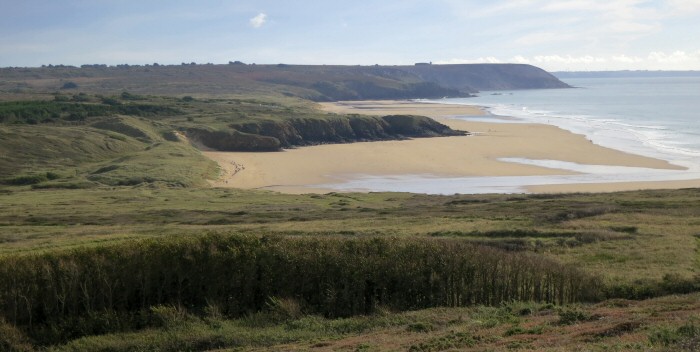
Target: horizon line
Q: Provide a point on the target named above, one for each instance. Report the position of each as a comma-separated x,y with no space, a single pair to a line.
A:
280,64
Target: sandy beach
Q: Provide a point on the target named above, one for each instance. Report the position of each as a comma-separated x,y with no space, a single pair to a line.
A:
307,169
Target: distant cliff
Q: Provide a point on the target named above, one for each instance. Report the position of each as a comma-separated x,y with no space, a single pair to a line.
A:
314,82
417,81
271,135
487,76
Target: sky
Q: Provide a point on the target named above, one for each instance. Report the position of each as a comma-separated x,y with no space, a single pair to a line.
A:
556,35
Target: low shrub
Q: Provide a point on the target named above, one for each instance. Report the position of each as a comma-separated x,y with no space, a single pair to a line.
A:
12,340
453,340
685,337
25,180
570,316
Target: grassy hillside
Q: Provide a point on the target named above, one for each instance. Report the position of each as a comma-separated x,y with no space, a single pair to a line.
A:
634,244
318,83
627,236
111,238
83,144
84,140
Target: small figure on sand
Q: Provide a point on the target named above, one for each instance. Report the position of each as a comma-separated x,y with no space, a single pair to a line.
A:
237,168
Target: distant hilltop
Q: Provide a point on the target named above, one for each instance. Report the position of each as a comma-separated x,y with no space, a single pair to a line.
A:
314,82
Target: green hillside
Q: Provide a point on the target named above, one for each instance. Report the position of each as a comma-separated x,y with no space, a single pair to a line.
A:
317,83
202,268
111,238
85,140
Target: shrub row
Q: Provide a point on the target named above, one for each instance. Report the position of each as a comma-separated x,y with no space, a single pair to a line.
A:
238,274
33,112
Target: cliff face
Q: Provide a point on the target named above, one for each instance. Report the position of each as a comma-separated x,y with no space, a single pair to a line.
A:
332,83
487,76
274,135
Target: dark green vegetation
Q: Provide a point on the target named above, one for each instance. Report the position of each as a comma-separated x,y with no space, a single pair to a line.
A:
61,295
110,238
318,83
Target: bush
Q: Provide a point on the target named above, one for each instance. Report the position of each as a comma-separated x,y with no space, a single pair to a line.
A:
573,316
69,85
128,96
110,101
686,337
420,327
239,275
283,309
26,180
643,289
453,340
81,97
168,316
11,339
52,175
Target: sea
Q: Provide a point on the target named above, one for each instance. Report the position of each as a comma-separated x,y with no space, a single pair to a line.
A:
656,116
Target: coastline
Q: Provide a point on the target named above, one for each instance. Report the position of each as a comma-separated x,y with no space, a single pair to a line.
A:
320,169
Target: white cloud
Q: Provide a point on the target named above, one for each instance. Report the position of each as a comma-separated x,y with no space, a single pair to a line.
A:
684,6
656,60
568,59
627,59
576,26
611,17
542,38
259,20
632,27
519,59
480,60
677,57
471,11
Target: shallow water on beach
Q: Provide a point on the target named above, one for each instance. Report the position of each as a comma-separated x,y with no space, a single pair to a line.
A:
430,184
652,116
657,117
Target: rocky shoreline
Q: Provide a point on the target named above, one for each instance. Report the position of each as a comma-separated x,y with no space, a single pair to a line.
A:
275,135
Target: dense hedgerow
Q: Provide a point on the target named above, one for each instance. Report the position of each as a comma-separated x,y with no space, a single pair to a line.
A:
239,274
33,112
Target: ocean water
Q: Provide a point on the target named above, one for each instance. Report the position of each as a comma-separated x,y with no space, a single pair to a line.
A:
653,116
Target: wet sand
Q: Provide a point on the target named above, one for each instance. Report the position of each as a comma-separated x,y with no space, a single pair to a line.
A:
307,169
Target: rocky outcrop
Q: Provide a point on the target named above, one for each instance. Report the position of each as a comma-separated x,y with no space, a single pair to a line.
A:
231,140
270,135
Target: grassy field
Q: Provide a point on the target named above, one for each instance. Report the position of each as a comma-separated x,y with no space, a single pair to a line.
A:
626,236
662,324
112,239
639,244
